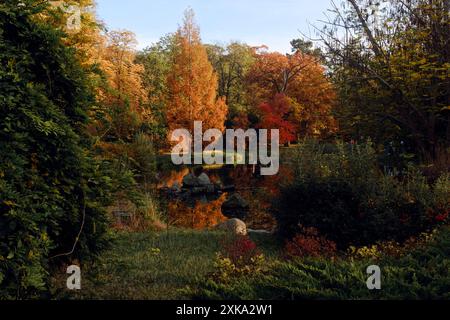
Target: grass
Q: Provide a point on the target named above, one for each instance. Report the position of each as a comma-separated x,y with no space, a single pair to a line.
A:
421,273
152,265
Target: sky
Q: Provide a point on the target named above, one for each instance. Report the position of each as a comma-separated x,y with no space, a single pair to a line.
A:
256,22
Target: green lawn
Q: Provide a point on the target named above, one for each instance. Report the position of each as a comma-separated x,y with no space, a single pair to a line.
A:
152,265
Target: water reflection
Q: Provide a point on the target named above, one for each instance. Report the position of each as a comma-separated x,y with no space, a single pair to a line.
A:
203,211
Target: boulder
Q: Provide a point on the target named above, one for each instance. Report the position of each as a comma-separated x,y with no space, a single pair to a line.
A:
204,180
235,207
233,226
190,181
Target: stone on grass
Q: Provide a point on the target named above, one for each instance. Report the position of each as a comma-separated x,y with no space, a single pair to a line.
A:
233,226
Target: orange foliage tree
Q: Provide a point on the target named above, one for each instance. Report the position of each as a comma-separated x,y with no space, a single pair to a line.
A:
192,83
122,96
123,73
301,78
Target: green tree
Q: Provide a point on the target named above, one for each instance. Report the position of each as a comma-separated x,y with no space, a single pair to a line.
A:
157,60
51,188
391,61
306,47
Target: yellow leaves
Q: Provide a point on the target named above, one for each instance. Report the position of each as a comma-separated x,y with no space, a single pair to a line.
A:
226,269
155,251
9,203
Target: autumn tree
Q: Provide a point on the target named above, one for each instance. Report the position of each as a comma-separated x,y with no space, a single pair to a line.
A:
192,83
157,60
276,115
122,97
300,77
82,29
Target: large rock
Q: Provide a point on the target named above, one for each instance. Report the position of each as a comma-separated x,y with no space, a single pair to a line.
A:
204,180
233,226
235,207
190,181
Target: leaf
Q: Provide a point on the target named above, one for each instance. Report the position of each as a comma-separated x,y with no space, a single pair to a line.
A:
9,203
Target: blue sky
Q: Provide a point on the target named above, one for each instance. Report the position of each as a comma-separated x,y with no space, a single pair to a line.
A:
271,22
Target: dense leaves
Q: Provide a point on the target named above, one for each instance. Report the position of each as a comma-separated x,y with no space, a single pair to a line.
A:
50,195
192,83
392,71
422,273
301,78
349,200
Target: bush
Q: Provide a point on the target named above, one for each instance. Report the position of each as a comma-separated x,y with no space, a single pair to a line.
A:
51,188
310,244
240,250
423,273
350,201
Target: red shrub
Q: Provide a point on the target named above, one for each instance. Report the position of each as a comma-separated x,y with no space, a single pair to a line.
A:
240,250
310,243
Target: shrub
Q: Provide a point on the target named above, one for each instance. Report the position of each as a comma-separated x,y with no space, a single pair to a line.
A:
143,157
240,250
226,270
422,273
239,257
51,187
310,244
350,201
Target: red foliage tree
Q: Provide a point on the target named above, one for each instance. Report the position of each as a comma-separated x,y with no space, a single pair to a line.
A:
275,115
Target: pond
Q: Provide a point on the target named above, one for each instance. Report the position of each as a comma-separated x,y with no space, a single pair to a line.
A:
200,210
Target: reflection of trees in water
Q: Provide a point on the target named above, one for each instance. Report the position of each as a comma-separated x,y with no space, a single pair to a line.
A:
169,178
203,214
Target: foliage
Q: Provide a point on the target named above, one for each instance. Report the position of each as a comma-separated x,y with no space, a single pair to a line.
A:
232,64
157,60
349,200
391,70
52,190
121,113
310,244
241,250
392,248
123,74
192,83
275,74
423,273
306,47
142,154
275,115
226,270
